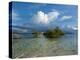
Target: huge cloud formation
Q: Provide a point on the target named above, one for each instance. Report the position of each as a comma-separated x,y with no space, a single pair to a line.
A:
45,18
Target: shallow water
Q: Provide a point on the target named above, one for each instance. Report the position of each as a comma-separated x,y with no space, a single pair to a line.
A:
42,46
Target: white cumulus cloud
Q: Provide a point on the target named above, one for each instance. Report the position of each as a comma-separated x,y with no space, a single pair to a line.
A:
42,17
53,15
65,17
45,18
72,27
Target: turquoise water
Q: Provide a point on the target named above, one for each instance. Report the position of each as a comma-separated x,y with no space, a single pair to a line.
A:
42,46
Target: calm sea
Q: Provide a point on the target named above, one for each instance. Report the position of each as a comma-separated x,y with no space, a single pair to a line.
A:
27,46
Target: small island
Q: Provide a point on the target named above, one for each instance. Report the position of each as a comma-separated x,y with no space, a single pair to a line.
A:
50,33
36,34
57,32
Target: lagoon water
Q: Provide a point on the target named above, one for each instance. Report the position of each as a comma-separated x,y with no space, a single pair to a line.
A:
42,46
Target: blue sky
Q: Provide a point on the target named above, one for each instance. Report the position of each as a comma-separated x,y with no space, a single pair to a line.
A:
44,15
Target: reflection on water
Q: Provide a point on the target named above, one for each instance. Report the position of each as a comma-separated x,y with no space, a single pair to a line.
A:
42,46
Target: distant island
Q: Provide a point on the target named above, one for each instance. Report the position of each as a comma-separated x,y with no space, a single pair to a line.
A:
57,32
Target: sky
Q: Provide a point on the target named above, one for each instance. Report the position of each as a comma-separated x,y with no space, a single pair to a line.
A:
43,15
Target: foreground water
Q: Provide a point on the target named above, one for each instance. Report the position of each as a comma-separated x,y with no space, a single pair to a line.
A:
42,46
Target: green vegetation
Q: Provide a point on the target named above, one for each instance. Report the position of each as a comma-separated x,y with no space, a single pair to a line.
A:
36,34
57,32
